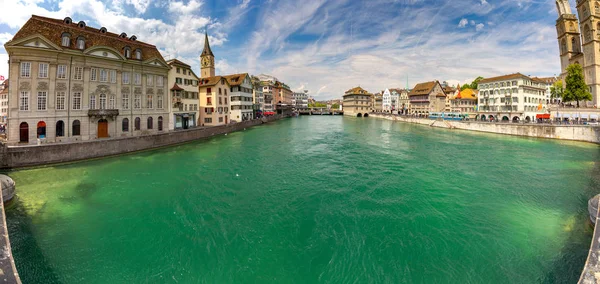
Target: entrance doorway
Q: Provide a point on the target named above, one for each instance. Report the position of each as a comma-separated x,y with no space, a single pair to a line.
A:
186,122
226,120
102,128
24,132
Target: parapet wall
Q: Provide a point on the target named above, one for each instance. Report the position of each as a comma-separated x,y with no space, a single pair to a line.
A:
23,156
566,132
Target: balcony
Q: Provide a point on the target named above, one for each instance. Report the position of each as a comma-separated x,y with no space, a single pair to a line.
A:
103,113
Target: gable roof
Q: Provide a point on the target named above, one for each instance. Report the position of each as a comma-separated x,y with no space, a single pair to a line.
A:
423,88
357,91
177,62
210,81
53,29
503,77
176,88
545,80
236,79
449,89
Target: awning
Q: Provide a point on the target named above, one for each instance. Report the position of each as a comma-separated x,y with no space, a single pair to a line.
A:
543,116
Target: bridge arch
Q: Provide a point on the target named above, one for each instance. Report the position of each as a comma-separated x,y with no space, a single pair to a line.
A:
366,115
359,115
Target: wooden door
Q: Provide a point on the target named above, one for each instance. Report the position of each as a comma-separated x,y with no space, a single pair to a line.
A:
24,132
102,128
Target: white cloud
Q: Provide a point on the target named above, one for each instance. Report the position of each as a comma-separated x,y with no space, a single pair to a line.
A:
139,5
463,23
479,27
177,7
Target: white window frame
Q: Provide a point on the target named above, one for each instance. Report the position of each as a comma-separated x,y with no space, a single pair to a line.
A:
42,101
102,100
137,78
60,100
81,43
137,101
159,81
149,80
113,76
43,70
138,54
93,74
61,72
149,102
103,75
159,101
66,41
78,74
125,101
112,102
24,101
77,101
92,101
125,78
25,69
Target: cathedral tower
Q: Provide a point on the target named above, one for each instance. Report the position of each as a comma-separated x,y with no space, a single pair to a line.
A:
569,37
207,60
589,21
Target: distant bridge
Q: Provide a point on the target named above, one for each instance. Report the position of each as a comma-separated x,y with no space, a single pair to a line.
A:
319,111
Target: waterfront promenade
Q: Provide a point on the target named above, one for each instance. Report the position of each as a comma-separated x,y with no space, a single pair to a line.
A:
584,133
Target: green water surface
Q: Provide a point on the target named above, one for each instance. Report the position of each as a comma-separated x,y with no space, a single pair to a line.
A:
313,200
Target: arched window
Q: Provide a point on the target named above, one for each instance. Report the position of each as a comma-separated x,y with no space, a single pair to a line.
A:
41,129
24,132
125,126
102,101
127,52
66,39
76,128
160,123
137,123
138,54
81,43
150,123
60,128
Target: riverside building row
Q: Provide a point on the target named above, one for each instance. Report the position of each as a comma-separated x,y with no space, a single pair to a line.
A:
70,82
511,97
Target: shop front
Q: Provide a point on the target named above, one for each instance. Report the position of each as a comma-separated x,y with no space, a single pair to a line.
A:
184,120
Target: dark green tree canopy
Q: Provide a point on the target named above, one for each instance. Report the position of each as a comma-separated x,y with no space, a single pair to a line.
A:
576,89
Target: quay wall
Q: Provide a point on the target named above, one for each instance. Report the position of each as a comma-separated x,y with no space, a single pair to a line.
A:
7,263
34,155
566,132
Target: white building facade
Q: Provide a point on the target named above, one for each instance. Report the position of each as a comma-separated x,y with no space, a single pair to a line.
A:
4,102
513,97
300,100
183,96
241,99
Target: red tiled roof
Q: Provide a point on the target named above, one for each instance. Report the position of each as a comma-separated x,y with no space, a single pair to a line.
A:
423,88
52,29
176,88
236,79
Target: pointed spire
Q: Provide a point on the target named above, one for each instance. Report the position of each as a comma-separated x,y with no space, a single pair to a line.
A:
206,50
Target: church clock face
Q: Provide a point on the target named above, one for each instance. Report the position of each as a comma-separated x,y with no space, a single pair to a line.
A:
206,62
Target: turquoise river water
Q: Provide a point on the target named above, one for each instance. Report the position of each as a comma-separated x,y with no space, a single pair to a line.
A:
313,200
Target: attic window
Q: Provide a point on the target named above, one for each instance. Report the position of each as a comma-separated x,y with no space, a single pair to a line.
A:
133,38
81,24
127,52
138,54
123,35
67,20
81,43
66,39
102,30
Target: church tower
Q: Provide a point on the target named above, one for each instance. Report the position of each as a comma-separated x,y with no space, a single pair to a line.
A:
207,60
569,37
589,20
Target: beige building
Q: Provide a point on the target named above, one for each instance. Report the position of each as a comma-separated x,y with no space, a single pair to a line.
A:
450,93
512,97
575,48
183,96
403,104
4,102
426,98
357,102
71,82
465,102
240,97
214,91
377,102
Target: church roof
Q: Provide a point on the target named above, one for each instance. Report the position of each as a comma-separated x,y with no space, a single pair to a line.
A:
207,50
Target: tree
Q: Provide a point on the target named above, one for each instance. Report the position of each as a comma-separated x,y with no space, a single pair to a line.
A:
335,106
473,84
557,90
576,89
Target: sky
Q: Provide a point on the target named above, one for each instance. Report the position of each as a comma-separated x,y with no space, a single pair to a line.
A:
327,46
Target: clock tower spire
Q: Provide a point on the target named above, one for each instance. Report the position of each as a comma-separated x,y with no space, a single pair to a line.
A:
207,60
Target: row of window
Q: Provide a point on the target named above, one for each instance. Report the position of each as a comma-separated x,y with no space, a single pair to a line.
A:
80,44
186,82
242,99
241,89
209,120
220,110
209,100
137,124
42,101
96,74
240,107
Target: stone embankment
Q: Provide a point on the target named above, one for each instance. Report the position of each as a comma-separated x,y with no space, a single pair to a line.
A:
34,155
8,270
583,133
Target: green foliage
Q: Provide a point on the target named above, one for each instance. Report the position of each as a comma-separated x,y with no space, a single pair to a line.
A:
576,89
335,106
317,104
473,84
557,90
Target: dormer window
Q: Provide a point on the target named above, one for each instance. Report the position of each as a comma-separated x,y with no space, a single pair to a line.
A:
81,24
67,20
81,43
103,30
133,38
66,39
138,54
127,52
123,35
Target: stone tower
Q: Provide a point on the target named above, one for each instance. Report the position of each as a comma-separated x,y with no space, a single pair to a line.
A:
569,37
207,60
589,21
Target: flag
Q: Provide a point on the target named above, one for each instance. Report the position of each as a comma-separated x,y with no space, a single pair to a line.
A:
1,78
540,107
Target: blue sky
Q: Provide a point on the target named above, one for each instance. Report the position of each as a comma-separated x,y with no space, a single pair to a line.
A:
324,46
